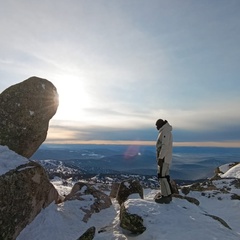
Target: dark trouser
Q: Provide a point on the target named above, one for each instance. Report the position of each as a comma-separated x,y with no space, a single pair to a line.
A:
164,179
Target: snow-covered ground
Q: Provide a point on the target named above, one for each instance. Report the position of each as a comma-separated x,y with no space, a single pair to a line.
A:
177,220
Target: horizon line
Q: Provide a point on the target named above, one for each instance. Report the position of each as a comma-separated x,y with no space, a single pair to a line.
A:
227,144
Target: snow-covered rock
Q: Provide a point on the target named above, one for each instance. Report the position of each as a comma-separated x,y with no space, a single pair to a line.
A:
24,190
233,172
131,221
128,187
96,200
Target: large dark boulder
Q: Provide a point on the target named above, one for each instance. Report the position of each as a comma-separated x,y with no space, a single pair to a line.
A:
25,111
24,191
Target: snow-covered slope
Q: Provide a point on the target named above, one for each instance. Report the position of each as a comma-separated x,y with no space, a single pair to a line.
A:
217,216
178,220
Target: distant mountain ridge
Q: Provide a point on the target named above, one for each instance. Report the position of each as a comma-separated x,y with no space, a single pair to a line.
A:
189,163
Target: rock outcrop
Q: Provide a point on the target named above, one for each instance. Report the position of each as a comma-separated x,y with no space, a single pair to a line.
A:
131,222
99,199
25,111
24,191
114,189
128,187
174,187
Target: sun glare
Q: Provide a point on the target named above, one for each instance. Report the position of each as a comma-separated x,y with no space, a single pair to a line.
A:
73,99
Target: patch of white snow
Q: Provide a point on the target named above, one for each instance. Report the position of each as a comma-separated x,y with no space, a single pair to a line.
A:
233,172
9,160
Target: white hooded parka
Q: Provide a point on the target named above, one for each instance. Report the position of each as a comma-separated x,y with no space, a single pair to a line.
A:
164,143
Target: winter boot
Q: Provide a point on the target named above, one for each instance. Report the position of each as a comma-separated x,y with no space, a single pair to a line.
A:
164,199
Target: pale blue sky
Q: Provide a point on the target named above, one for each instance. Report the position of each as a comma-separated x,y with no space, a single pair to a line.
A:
120,65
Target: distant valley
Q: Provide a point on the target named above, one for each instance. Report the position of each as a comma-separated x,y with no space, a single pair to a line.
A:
189,164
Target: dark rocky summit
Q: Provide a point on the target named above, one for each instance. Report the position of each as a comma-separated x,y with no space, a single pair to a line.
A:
25,111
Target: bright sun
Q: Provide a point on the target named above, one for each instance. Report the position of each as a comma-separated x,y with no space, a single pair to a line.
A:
73,99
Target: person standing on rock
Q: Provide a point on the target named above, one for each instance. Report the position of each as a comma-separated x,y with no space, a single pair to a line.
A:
164,159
